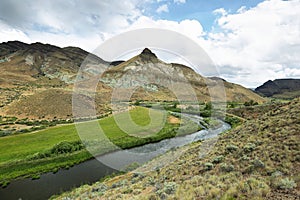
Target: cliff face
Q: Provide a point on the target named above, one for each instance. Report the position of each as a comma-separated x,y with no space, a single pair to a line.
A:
281,88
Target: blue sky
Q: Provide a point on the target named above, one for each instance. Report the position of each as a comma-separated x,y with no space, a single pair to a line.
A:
250,42
201,10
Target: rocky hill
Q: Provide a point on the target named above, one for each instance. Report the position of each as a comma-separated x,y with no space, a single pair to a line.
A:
259,159
168,81
280,88
22,63
36,80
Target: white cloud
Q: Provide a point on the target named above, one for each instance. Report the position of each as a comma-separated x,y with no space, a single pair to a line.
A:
221,11
78,23
88,43
81,17
190,28
256,41
162,8
249,46
179,1
8,33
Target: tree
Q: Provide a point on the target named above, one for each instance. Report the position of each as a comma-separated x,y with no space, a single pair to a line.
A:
137,103
175,103
208,106
250,103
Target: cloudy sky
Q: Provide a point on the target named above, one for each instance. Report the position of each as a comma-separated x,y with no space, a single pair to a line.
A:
250,41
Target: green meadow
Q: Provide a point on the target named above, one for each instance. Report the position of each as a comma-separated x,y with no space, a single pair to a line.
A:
28,155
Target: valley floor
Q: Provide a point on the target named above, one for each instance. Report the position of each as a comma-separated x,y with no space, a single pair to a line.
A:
256,160
28,155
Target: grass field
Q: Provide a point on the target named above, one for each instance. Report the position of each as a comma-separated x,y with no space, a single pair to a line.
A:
16,149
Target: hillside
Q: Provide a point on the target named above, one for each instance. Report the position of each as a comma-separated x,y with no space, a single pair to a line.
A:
170,81
36,80
22,63
256,160
280,88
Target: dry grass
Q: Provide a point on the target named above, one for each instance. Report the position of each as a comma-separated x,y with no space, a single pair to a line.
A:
260,160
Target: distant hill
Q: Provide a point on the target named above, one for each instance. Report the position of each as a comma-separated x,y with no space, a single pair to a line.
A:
36,80
280,88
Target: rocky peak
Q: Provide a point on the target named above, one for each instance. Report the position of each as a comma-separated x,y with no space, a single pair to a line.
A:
148,55
148,52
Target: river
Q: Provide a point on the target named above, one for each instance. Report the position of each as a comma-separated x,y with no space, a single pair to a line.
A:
92,170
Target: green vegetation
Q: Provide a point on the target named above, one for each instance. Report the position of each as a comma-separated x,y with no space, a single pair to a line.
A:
250,103
233,121
58,147
258,159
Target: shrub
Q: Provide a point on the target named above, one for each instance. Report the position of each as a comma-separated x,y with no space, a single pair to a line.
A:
276,174
226,168
168,189
205,113
101,188
245,158
233,121
137,103
231,104
62,147
258,163
231,148
218,159
39,155
250,103
175,103
208,166
249,147
208,106
66,147
286,183
249,169
253,187
151,181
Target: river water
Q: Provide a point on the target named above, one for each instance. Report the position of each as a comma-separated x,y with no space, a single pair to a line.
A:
92,170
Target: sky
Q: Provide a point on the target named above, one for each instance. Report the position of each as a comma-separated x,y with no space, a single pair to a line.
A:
250,41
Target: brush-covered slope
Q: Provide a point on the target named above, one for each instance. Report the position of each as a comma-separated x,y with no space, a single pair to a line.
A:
259,159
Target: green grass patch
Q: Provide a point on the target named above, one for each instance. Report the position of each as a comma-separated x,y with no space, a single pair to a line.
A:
233,121
47,150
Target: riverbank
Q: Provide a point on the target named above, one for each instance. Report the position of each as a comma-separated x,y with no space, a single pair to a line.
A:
256,160
90,171
30,155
